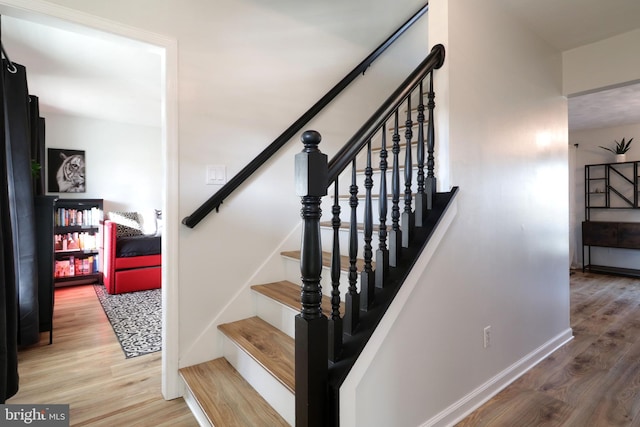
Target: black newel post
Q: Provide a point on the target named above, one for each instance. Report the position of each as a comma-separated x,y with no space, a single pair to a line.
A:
311,353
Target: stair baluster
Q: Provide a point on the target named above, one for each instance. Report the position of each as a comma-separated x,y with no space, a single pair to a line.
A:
335,322
367,278
311,352
395,237
352,300
420,199
407,215
431,140
382,254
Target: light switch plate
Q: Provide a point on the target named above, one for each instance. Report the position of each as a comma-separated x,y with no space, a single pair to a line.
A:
216,175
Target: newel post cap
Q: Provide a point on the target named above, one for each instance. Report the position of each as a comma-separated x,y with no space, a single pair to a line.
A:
311,169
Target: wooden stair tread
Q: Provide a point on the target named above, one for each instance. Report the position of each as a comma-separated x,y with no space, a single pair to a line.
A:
326,260
267,345
288,293
226,398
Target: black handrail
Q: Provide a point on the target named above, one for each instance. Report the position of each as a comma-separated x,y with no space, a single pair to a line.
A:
216,200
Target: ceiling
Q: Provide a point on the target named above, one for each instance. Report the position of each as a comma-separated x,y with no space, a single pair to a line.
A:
607,108
91,74
101,76
567,24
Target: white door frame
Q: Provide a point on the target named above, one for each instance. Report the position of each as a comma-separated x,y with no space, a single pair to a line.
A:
80,22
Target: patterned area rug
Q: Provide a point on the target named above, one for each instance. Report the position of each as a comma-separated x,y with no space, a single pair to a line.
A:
136,318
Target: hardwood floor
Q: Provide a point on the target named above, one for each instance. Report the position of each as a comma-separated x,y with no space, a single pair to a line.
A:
86,368
594,380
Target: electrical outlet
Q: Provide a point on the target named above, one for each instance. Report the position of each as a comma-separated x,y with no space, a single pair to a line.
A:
487,336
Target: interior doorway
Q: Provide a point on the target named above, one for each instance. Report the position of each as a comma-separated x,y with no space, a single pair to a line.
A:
90,26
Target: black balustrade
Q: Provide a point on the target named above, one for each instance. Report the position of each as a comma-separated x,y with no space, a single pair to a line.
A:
395,237
407,214
329,347
421,200
382,254
352,300
367,277
430,185
335,322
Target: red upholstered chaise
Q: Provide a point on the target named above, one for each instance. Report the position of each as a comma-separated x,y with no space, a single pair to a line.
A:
130,273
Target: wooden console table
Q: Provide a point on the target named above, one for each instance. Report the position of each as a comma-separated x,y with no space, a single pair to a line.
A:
625,235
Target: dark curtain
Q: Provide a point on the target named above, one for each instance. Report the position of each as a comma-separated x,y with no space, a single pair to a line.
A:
21,208
8,306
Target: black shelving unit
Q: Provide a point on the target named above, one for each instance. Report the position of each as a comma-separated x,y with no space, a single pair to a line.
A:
610,186
45,223
78,241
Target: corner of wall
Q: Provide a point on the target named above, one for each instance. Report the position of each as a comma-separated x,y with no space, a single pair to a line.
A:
348,390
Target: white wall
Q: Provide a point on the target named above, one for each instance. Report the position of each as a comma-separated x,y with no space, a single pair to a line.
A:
588,152
504,261
123,161
603,64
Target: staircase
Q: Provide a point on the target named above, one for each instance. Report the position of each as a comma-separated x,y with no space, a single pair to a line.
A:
254,383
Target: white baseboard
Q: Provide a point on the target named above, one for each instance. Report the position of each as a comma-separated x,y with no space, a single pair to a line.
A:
469,403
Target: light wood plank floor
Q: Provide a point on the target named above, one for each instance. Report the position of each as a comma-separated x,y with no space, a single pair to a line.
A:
594,380
86,368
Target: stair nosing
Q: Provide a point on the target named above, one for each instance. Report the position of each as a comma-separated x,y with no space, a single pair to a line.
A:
326,301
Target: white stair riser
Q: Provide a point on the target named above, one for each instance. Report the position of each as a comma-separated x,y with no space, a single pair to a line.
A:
196,409
276,314
277,395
